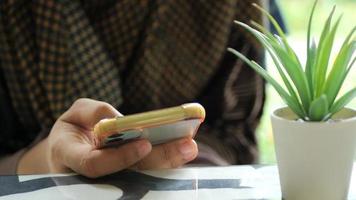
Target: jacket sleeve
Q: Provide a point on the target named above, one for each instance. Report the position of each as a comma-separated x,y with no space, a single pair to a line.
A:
12,133
234,100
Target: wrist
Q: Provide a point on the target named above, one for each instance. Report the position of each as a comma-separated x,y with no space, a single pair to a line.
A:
54,157
34,160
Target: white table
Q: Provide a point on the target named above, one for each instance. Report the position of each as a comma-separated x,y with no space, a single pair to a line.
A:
234,182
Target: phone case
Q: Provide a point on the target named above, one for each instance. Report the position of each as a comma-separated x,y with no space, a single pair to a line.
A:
158,126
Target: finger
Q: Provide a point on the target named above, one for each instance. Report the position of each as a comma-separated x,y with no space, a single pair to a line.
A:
87,112
99,162
169,155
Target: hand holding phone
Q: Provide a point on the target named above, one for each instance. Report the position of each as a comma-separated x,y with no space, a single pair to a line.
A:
158,126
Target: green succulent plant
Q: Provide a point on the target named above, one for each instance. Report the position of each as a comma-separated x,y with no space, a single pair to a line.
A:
311,92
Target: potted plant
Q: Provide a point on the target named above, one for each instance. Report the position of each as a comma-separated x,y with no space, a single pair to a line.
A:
315,135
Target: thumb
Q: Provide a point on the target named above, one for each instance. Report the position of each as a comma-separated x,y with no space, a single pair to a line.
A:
87,112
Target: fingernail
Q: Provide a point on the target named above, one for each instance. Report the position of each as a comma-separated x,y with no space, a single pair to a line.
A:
186,148
144,148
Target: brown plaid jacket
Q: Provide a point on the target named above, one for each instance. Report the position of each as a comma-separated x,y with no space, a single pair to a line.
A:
137,55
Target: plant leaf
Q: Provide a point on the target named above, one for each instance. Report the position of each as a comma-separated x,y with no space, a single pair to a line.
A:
280,33
292,67
310,67
284,95
319,108
351,64
266,39
323,56
316,69
311,51
341,102
267,42
311,92
296,74
339,70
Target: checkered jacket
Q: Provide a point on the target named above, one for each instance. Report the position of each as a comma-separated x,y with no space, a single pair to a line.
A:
137,55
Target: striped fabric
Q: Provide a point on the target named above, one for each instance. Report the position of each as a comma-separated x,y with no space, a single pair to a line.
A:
137,55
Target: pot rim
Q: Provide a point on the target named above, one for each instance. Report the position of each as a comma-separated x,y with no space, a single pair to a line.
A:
292,118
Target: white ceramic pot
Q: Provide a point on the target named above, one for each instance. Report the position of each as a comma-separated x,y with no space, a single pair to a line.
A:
314,159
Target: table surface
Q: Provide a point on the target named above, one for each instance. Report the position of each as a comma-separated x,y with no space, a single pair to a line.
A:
233,182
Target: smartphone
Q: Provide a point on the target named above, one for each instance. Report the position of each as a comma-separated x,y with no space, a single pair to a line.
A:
158,126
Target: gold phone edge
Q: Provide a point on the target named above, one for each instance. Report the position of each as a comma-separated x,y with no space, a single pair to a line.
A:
106,127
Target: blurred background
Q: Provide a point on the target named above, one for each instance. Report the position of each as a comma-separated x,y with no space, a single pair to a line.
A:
295,14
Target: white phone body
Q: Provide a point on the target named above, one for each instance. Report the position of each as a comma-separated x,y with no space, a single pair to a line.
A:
158,126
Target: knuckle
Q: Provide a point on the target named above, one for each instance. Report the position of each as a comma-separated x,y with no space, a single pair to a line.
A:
80,102
139,166
168,157
128,159
88,167
135,159
125,161
174,164
103,107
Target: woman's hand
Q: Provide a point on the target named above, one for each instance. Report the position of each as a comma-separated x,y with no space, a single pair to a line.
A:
68,147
